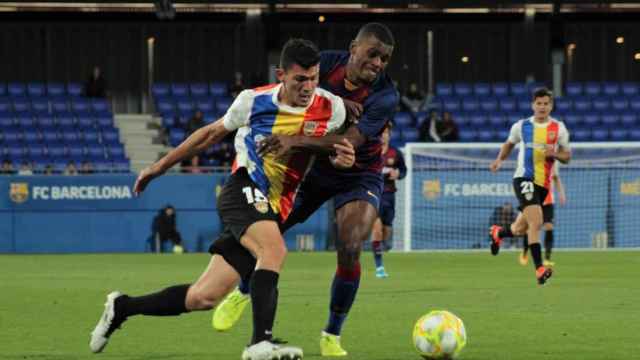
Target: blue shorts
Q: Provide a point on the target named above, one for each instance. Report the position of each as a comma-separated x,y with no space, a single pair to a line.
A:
387,210
343,188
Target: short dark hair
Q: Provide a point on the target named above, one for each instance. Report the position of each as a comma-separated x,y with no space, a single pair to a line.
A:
299,51
379,31
542,92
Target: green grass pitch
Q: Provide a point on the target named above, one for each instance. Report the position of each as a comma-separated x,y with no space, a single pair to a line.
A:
589,309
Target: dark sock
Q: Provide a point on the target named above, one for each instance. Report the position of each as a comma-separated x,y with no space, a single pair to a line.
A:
536,254
525,245
343,293
505,232
167,302
376,246
264,299
548,244
244,287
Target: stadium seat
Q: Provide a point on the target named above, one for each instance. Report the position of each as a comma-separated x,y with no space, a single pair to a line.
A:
36,150
65,122
7,121
592,88
16,90
601,104
481,89
121,165
5,105
168,122
628,120
591,119
85,122
104,121
51,137
518,89
634,135
462,89
497,121
110,136
56,151
59,105
629,89
581,135
619,104
205,105
176,136
199,89
45,122
507,104
16,152
80,106
451,104
600,135
563,104
444,89
222,104
3,92
611,89
609,120
95,152
572,119
500,89
91,136
502,135
410,135
402,119
40,106
488,104
582,104
25,121
524,104
634,103
210,117
55,89
468,135
36,89
470,104
180,90
21,105
478,120
485,136
160,90
100,106
116,152
164,104
619,135
103,166
70,136
396,136
185,106
218,89
74,89
76,151
574,89
31,136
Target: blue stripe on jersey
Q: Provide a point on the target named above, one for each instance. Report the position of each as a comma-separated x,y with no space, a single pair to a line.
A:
527,138
263,116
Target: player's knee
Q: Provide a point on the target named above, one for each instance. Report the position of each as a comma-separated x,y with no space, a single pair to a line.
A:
199,298
273,256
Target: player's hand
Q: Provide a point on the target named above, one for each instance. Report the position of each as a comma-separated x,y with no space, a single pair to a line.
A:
345,155
146,175
354,110
550,152
278,145
563,199
394,174
495,165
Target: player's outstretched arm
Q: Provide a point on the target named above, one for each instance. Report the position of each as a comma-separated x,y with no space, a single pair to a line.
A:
505,150
324,145
197,142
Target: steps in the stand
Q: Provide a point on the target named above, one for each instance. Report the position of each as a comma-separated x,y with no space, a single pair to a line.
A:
137,137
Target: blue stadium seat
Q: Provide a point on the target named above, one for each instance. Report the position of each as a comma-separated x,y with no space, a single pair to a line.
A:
222,104
76,151
481,89
95,152
45,122
176,136
444,89
205,104
218,89
508,104
601,104
168,122
634,135
582,104
59,105
402,119
51,136
16,89
65,122
611,89
56,151
591,120
185,116
478,120
85,122
121,165
514,116
7,121
581,135
619,104
55,89
519,89
110,136
70,136
74,89
468,135
451,104
100,106
36,150
160,90
25,121
3,92
185,105
210,117
103,166
609,119
574,89
592,88
16,152
502,135
410,135
116,152
5,105
181,90
634,103
500,89
488,104
619,134
497,121
599,135
199,89
572,119
629,89
396,136
164,104
485,136
36,89
563,104
40,106
80,106
470,104
628,120
462,89
91,136
524,104
21,105
104,121
31,136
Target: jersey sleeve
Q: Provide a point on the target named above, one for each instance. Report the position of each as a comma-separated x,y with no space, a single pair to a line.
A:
515,135
402,167
563,136
338,113
378,108
239,112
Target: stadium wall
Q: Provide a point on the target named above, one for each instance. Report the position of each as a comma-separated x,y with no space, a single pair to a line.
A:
93,214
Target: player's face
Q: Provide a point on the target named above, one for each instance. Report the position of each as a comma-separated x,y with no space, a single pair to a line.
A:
369,57
386,134
542,107
299,84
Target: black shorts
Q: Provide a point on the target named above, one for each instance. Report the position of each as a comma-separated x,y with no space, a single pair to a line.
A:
240,204
547,213
387,210
528,193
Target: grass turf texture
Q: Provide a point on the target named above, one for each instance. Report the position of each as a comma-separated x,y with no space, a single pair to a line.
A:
50,303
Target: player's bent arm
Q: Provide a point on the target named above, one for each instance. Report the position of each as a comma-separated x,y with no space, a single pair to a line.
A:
196,143
325,144
563,155
505,151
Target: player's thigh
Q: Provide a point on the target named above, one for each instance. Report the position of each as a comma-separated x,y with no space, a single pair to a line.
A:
217,280
355,220
533,215
264,240
377,232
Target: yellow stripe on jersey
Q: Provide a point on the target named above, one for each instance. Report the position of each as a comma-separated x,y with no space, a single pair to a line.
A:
539,160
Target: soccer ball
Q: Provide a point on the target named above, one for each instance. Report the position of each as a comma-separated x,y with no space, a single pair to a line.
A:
439,335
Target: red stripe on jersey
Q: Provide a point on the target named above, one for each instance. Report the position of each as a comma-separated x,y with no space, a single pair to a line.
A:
234,165
317,117
292,178
552,139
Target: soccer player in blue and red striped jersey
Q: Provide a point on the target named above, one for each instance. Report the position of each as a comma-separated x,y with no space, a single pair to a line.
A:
358,76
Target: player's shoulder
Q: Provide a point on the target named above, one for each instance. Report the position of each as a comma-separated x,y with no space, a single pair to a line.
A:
264,89
384,92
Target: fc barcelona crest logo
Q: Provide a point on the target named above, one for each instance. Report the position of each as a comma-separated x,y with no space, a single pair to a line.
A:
431,189
551,135
19,192
309,127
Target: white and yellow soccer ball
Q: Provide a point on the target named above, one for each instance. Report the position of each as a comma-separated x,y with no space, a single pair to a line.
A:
439,335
